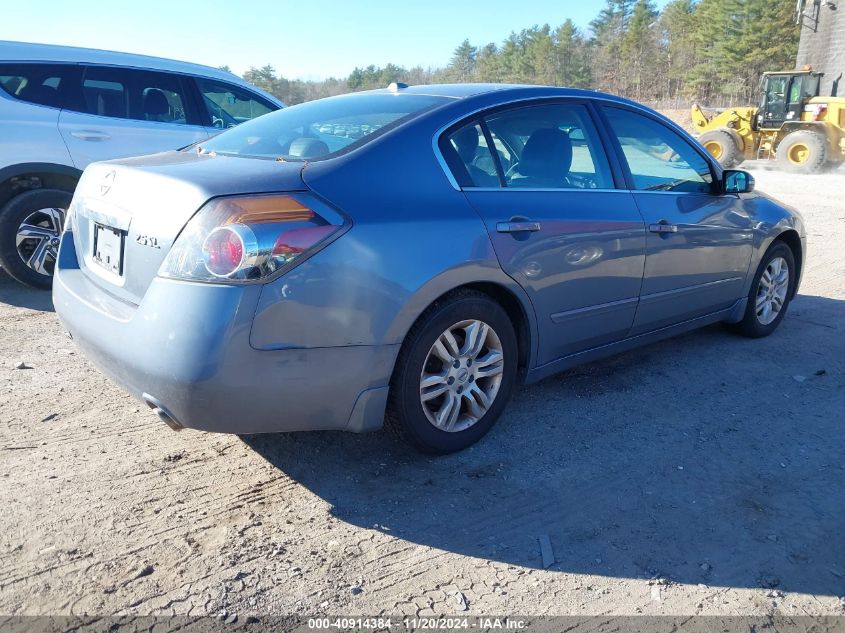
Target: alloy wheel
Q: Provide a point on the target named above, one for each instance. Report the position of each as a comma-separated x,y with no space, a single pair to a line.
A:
771,290
38,239
461,375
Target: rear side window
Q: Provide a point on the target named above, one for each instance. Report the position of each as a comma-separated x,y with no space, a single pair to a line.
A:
136,94
229,105
105,94
658,158
469,147
43,84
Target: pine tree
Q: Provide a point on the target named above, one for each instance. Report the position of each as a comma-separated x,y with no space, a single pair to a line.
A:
487,64
677,31
540,53
639,51
462,66
571,57
609,30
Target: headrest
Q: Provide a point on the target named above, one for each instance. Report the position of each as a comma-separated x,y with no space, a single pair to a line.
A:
466,143
547,154
155,103
306,147
45,95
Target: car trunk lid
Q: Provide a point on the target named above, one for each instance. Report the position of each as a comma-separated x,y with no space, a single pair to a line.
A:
128,213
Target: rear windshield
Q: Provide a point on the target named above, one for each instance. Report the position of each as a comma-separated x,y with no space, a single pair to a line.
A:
320,129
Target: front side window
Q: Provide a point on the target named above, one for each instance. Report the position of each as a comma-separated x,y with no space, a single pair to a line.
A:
321,129
658,158
134,94
776,90
43,84
230,105
550,146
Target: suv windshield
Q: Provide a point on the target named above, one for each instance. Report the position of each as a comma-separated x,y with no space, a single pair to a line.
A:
320,129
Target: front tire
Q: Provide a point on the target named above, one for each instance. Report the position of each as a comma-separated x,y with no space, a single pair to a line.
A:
454,374
771,293
802,152
31,226
722,146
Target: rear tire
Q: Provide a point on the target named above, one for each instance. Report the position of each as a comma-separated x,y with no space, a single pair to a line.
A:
440,406
31,260
720,144
802,152
769,297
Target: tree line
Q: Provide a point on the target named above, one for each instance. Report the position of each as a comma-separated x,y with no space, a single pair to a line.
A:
711,51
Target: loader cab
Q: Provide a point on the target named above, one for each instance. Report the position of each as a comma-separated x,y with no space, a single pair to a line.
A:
783,97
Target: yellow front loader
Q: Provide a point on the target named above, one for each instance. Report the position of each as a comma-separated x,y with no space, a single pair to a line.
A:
802,131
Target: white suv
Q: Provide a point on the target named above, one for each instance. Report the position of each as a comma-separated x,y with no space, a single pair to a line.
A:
62,108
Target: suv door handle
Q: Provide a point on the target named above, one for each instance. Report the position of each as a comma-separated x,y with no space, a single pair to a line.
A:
663,227
90,135
517,227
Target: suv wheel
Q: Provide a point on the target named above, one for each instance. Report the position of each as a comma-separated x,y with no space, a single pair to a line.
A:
30,230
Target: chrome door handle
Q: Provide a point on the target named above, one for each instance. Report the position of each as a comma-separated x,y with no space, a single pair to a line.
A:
90,135
517,227
663,227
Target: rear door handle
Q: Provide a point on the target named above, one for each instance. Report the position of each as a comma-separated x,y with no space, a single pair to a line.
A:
90,135
663,227
517,227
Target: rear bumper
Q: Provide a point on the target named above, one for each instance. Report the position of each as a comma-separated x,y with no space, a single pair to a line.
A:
187,349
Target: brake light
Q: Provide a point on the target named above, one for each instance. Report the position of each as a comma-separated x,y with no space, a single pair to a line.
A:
246,239
223,250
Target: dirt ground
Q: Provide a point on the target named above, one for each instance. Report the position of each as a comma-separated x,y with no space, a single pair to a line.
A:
702,475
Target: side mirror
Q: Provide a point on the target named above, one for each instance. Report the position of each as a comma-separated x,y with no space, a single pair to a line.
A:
737,181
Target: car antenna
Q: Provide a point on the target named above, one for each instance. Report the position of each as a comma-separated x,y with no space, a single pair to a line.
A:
396,86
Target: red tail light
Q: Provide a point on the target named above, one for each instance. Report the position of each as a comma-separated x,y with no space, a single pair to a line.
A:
224,251
247,238
297,241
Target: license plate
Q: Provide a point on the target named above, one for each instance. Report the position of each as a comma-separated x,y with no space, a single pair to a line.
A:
108,248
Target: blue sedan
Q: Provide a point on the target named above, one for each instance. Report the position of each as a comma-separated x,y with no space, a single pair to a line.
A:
404,257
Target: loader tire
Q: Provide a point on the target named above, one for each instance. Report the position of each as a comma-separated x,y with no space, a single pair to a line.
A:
722,146
802,152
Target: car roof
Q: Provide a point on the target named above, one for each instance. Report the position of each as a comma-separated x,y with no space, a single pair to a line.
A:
465,91
29,52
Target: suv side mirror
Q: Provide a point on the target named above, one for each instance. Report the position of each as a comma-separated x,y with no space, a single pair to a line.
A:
737,181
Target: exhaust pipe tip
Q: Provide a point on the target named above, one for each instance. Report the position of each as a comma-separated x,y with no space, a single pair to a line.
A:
167,419
161,411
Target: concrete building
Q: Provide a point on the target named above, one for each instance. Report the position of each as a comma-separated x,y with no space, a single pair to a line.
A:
822,44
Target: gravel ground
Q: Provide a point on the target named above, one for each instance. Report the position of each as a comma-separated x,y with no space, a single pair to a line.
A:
702,475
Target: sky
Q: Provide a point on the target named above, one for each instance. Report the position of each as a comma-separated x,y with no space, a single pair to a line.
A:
301,39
